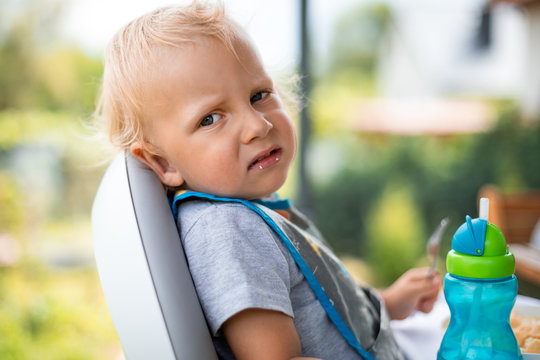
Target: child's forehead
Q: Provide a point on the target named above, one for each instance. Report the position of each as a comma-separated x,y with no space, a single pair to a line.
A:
241,49
203,66
238,46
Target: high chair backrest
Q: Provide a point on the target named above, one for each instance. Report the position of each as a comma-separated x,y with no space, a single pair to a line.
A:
142,267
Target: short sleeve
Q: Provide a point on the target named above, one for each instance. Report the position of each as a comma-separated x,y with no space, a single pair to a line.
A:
235,261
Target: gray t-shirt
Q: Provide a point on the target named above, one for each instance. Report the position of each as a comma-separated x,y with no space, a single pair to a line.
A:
237,262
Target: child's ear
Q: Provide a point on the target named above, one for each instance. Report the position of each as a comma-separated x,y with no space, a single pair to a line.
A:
166,173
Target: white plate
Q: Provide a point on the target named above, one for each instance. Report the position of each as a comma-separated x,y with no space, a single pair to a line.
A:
527,306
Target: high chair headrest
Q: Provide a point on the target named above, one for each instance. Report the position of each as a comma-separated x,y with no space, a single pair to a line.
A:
142,267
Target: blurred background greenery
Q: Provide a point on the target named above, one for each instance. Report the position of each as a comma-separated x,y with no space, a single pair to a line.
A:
51,303
377,195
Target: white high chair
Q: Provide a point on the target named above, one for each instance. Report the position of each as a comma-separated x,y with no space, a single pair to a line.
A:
142,267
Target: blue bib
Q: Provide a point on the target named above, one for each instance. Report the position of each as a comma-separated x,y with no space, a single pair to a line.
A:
357,312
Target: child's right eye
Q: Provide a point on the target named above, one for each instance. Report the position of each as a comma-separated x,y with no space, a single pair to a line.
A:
210,119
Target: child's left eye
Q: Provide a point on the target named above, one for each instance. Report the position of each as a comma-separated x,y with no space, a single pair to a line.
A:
210,119
259,96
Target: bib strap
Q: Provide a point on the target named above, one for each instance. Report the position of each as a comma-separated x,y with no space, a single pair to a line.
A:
313,282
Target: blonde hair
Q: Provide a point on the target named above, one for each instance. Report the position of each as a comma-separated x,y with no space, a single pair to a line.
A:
132,52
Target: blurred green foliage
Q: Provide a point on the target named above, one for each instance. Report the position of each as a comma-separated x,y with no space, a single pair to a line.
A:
335,99
72,139
395,232
378,197
47,94
430,177
20,127
357,37
53,315
11,212
38,72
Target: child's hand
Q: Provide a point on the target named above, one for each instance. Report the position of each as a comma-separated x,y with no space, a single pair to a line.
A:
414,290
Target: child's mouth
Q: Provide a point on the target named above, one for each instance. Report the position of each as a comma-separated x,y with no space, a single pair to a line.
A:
266,160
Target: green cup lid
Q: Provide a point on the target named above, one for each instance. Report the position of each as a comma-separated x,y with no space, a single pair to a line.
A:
479,251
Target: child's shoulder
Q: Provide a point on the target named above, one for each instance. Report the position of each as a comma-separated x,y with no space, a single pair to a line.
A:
195,208
206,214
231,229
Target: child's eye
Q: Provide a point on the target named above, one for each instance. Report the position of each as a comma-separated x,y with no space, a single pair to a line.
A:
259,96
210,119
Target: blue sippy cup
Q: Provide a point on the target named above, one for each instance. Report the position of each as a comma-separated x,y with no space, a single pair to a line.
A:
480,289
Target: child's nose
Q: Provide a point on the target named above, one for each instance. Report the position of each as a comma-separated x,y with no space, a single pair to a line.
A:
254,126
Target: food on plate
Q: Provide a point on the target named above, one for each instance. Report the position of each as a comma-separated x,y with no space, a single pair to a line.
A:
527,331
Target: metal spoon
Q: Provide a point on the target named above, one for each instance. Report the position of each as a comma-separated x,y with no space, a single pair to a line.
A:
433,244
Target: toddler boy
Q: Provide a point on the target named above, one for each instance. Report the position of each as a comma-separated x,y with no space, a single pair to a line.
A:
185,91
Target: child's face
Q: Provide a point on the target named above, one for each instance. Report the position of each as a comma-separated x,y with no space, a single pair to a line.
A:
217,125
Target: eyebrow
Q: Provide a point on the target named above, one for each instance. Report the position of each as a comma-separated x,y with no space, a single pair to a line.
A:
193,113
207,102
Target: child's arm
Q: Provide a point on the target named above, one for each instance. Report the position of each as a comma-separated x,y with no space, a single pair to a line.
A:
263,334
414,290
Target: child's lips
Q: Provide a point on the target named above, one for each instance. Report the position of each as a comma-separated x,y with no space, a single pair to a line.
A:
266,160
